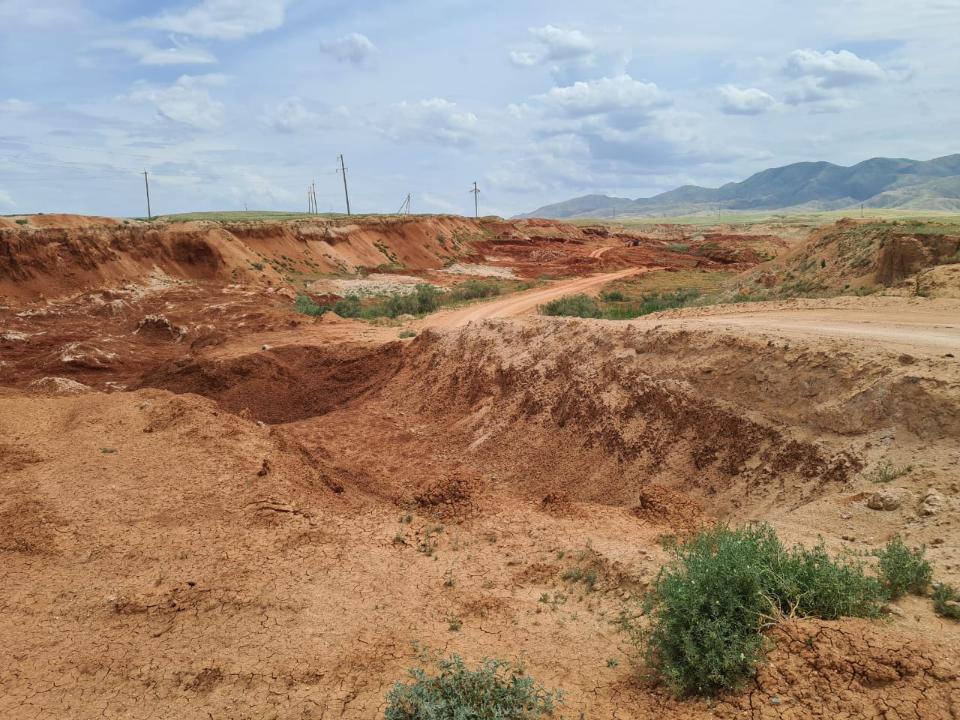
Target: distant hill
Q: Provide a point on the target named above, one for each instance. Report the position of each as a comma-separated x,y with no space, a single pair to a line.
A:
806,186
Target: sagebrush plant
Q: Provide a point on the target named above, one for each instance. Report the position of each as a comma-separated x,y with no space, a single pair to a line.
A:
495,690
903,570
946,601
709,605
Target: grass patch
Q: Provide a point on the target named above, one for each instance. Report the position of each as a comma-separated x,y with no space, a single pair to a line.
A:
946,601
495,690
709,605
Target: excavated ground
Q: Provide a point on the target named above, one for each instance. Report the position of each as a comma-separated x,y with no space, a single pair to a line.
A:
234,511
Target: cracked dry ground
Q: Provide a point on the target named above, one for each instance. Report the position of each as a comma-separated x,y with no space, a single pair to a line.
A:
281,533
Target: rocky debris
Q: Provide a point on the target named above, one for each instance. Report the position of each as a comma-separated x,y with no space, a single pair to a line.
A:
58,386
13,336
931,503
159,327
884,500
85,355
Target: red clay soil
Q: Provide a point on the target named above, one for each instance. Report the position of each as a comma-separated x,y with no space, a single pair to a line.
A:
211,506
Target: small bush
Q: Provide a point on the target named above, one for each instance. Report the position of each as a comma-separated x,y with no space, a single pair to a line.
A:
494,691
425,299
305,304
709,605
22,221
678,247
885,472
903,570
473,290
348,307
946,601
405,334
613,296
579,305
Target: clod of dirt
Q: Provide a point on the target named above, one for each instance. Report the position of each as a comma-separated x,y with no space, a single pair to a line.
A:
884,500
58,386
159,329
87,356
931,503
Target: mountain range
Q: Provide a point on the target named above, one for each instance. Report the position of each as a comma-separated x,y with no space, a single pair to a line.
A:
801,187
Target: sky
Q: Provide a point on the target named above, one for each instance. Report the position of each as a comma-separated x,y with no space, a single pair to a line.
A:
233,104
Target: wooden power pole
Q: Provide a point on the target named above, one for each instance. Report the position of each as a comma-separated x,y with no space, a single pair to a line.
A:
476,200
346,193
146,184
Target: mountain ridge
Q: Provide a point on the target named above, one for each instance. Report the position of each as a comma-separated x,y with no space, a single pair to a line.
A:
811,185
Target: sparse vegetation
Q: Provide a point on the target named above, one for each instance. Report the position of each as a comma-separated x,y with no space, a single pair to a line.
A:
724,586
406,334
946,601
22,221
885,472
903,570
610,308
494,691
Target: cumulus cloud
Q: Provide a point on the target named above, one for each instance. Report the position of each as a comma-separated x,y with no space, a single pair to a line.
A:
221,19
745,101
554,44
353,48
833,69
605,95
433,120
292,116
187,101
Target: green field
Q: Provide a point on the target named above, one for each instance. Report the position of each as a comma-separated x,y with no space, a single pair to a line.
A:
802,219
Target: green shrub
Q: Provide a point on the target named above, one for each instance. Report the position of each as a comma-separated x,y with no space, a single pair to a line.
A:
22,221
473,290
348,307
678,247
424,299
404,334
709,604
612,296
946,601
494,691
903,570
305,304
579,305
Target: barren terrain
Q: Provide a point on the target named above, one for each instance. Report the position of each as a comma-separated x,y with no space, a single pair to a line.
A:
213,506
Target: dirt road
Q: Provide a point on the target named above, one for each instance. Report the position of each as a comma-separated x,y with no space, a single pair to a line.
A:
524,302
931,328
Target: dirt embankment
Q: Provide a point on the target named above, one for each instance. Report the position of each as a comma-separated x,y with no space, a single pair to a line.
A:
863,254
54,255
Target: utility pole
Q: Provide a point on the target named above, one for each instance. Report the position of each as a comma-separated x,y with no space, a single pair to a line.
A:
405,207
346,193
146,184
313,196
476,199
861,211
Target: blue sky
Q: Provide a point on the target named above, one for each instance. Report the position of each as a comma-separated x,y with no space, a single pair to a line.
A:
232,103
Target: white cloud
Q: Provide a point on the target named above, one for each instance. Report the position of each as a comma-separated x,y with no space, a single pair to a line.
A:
352,48
15,106
434,120
147,53
222,19
554,45
745,101
833,69
292,116
187,101
605,95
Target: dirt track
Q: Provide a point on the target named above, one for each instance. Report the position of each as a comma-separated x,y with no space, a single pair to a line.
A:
523,302
930,327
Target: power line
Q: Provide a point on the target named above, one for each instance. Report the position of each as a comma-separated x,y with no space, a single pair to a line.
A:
405,207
